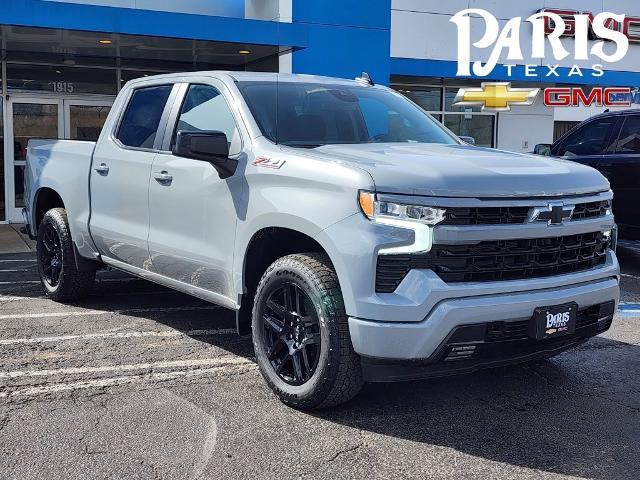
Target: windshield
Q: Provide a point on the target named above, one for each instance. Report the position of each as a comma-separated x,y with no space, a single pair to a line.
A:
312,114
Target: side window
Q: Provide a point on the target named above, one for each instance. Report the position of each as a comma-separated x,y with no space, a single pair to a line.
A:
629,139
205,109
141,119
590,139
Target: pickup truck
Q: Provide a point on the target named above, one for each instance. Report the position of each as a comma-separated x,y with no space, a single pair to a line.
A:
356,238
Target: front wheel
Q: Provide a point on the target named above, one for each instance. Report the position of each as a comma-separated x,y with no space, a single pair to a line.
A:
59,275
301,335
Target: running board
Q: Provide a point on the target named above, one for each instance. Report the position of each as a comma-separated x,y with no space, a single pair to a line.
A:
192,290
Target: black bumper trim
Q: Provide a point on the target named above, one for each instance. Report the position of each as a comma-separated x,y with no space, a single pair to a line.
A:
488,352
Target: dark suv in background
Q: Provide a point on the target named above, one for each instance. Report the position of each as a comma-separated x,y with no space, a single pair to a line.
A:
609,142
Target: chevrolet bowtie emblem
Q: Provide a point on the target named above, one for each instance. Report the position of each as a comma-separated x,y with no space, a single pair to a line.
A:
497,96
554,213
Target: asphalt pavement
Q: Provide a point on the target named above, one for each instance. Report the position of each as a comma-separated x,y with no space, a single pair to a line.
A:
140,382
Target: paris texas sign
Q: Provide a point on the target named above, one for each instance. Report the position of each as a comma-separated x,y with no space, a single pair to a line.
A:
609,33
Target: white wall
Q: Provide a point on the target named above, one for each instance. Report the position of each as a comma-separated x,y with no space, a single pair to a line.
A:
276,10
520,129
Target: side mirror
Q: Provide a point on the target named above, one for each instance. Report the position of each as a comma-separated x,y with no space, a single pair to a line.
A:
209,146
542,149
467,139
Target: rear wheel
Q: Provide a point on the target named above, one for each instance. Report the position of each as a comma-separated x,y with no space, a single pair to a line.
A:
59,275
301,335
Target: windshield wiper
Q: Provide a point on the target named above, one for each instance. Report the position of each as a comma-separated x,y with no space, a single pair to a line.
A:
302,144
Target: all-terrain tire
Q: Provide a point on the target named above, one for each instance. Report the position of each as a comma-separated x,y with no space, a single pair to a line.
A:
338,375
73,284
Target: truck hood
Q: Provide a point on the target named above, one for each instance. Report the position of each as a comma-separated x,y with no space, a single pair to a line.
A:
465,171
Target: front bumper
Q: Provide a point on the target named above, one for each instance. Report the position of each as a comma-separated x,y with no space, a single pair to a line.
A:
467,350
420,341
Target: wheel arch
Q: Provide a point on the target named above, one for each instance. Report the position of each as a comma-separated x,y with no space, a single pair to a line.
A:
264,247
45,199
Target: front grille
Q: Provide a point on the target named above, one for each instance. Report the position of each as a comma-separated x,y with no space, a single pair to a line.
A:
515,215
591,210
497,260
485,216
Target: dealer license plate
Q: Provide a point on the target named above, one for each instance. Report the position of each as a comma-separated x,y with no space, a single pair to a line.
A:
556,321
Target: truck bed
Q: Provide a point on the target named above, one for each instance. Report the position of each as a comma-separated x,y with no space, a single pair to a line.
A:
63,166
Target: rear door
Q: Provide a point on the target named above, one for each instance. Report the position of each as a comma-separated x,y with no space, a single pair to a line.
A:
193,212
120,176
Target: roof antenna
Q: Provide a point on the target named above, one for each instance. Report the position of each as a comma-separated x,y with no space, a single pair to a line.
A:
365,78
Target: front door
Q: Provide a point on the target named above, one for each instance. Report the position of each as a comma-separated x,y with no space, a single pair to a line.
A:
43,117
192,211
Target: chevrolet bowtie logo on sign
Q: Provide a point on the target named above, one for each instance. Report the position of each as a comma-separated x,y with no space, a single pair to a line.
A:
498,96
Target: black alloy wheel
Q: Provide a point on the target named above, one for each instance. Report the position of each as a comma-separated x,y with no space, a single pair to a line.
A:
292,334
301,333
61,278
51,256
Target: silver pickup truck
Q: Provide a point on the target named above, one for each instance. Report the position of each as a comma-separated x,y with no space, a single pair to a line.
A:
356,238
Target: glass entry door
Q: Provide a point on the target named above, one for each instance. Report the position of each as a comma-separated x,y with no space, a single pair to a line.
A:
27,118
40,117
84,118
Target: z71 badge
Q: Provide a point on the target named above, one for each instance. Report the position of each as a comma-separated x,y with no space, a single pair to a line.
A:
268,162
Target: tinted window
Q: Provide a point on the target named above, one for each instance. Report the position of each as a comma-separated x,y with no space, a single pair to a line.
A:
311,114
142,117
590,139
629,139
205,109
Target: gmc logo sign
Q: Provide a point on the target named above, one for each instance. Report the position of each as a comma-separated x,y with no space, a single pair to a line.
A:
630,28
600,96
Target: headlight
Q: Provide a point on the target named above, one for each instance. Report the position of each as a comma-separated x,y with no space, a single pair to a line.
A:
418,218
377,210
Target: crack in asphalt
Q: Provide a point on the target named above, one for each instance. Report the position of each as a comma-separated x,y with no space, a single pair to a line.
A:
344,452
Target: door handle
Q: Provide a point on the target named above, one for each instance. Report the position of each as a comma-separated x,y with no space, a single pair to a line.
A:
102,169
163,177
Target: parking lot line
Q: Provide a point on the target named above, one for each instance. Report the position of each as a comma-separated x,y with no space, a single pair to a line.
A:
628,275
629,309
17,316
197,362
99,280
95,336
9,298
128,379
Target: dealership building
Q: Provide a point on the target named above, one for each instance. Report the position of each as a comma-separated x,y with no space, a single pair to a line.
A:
63,62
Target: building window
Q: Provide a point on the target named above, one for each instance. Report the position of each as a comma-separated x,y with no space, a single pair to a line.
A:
2,199
560,128
429,98
468,121
480,127
61,79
